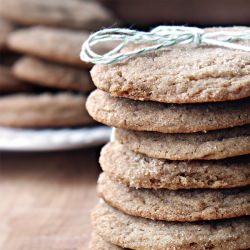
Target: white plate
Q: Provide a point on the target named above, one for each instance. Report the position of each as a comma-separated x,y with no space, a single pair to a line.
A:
52,139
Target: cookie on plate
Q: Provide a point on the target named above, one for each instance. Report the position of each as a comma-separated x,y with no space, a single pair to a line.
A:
63,13
44,110
53,75
180,74
213,145
166,118
140,171
139,233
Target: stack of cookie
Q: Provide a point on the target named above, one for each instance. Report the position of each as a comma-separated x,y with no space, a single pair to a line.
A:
176,174
53,81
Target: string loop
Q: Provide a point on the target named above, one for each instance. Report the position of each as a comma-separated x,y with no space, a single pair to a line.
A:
157,38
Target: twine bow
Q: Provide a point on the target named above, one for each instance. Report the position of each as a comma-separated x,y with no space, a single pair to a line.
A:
159,37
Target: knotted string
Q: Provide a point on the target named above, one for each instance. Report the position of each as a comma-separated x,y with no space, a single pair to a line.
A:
159,37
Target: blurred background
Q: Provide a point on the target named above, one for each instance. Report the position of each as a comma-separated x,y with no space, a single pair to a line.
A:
49,145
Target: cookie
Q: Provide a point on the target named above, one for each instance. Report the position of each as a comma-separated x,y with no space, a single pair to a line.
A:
98,243
213,145
166,118
44,110
62,13
5,29
59,45
175,205
179,74
139,233
52,75
139,171
9,84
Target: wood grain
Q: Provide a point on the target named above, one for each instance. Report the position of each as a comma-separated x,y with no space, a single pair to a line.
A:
46,199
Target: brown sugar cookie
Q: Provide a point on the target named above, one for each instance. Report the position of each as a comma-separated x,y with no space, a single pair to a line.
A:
139,233
140,171
53,75
62,13
177,205
166,118
44,110
180,74
213,145
59,45
9,84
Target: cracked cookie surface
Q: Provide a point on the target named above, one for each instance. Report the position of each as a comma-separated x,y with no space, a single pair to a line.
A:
139,171
213,145
138,233
166,118
177,205
180,74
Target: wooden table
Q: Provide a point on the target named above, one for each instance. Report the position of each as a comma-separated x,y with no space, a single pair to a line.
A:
46,199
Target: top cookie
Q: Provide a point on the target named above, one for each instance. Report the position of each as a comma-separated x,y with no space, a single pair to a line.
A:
62,13
179,74
58,45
